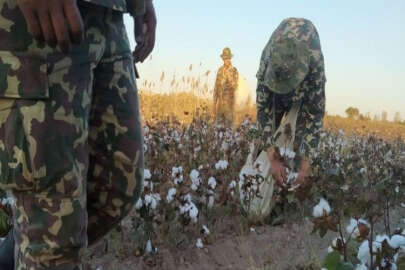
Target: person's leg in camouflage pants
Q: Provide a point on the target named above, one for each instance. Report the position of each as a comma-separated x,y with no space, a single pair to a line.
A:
70,137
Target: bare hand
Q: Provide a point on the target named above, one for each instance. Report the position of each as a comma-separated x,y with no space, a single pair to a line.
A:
278,170
57,22
145,33
303,173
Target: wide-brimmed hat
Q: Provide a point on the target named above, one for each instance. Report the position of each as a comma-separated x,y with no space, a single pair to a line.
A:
288,65
226,53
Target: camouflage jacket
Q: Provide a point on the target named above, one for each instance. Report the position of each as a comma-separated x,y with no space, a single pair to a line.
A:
122,5
311,93
226,84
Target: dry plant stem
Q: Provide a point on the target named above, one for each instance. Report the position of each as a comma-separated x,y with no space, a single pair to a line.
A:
387,217
370,244
341,237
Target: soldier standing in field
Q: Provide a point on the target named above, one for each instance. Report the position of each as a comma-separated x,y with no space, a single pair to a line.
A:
225,88
292,72
71,146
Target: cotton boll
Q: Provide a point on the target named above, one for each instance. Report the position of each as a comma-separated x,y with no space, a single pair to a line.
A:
206,230
320,207
232,185
193,212
199,243
224,146
345,187
211,201
7,201
195,179
364,254
148,248
194,175
212,182
139,204
221,165
145,148
361,267
289,154
178,180
170,195
187,198
147,174
353,228
176,171
291,177
397,241
380,238
151,200
148,199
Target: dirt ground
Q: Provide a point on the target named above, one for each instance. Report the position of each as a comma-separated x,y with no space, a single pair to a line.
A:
288,246
282,247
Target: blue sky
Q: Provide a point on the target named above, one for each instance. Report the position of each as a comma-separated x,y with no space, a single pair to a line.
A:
363,43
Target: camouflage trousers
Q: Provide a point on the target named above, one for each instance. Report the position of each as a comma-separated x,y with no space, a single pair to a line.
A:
71,146
225,111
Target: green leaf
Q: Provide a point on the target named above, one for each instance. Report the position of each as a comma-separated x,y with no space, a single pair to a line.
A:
380,186
401,262
345,266
322,232
290,198
334,262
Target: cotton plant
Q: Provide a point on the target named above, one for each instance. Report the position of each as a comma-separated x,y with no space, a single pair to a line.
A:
195,179
188,209
177,175
199,243
321,209
221,165
183,160
231,187
7,201
171,195
360,177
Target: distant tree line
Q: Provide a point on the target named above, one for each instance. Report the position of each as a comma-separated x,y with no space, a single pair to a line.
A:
354,113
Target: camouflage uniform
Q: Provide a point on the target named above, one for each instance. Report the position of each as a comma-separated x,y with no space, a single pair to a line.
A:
273,101
224,91
70,135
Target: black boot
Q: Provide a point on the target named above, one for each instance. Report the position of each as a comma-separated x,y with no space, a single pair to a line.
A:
7,252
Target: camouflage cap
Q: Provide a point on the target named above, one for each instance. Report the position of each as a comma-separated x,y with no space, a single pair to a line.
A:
226,53
289,64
